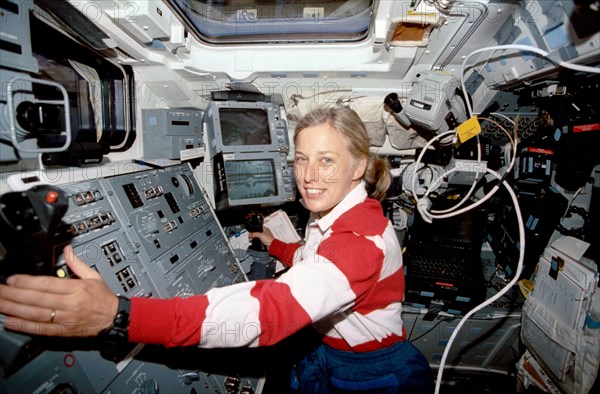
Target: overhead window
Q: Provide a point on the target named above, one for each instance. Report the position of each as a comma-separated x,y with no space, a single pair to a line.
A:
276,21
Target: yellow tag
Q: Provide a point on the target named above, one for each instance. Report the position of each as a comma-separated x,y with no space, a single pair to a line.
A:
468,129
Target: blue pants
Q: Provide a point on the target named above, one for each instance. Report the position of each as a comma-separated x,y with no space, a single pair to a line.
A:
401,368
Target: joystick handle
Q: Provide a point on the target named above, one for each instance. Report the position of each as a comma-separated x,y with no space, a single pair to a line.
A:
254,224
30,223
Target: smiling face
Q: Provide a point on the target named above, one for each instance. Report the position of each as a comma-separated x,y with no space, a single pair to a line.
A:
325,170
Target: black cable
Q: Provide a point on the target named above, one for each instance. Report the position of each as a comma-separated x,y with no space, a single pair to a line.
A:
577,232
431,329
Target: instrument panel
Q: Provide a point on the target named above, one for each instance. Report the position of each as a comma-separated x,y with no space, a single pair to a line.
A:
149,233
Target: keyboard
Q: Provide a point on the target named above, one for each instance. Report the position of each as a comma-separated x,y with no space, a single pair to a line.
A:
438,267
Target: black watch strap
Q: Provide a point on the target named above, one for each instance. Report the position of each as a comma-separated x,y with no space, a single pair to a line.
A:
118,332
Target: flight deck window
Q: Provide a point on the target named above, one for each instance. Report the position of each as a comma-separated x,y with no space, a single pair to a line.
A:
277,21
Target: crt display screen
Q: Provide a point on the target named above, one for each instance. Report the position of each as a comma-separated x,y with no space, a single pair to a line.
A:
250,179
244,126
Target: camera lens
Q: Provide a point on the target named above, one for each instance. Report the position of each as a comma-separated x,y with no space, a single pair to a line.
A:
392,101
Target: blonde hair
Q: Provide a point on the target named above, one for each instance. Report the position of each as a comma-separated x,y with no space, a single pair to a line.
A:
346,121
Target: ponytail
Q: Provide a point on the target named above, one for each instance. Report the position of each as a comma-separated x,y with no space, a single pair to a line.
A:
377,177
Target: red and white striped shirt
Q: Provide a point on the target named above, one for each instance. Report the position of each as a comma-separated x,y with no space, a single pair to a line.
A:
347,280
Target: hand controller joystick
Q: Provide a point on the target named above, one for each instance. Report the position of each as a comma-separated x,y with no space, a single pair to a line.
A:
254,224
32,230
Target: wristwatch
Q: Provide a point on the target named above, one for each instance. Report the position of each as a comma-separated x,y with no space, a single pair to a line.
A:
118,331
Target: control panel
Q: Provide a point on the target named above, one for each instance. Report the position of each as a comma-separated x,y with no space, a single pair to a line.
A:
174,133
149,234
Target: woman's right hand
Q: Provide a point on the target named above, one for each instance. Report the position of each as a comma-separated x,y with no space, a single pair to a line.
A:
52,306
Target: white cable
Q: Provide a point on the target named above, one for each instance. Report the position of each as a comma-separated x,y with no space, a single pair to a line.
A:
427,215
574,197
495,296
423,202
425,175
471,189
437,213
420,157
400,220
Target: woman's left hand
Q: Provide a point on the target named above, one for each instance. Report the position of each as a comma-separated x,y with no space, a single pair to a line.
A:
266,236
52,306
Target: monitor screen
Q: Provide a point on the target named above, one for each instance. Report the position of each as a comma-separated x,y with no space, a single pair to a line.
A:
244,126
248,179
242,179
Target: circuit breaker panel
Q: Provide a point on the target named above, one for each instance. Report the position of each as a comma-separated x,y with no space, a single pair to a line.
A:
149,234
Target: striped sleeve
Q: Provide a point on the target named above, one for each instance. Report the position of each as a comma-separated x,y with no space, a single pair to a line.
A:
169,322
245,314
283,251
